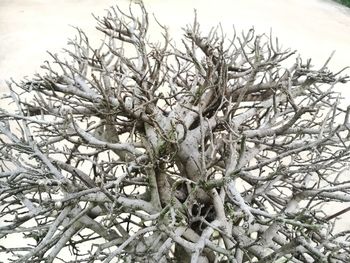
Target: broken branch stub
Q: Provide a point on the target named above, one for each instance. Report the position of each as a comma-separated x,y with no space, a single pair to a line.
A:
215,150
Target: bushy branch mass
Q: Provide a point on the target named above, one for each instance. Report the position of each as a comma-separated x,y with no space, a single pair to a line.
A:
217,149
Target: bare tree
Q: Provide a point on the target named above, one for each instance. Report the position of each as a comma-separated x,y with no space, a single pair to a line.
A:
214,150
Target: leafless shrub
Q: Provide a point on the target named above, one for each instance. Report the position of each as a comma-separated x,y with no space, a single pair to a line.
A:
210,151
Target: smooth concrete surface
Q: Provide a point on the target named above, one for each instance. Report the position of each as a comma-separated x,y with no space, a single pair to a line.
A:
30,27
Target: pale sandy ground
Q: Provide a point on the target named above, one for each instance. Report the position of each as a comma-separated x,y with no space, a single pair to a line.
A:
314,27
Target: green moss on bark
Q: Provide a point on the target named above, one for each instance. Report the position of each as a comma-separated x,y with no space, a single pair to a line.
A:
344,2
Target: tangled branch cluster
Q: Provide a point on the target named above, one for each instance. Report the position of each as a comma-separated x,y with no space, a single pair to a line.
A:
142,151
